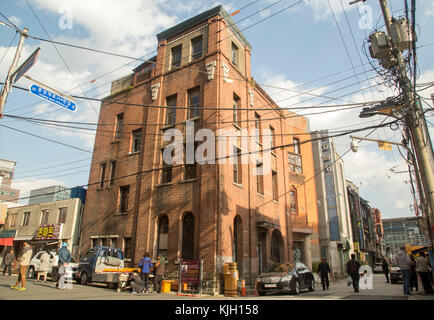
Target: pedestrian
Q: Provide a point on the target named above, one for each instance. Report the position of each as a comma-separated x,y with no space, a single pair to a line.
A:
324,270
159,268
404,264
136,282
24,262
422,268
413,274
145,266
64,257
385,266
353,267
44,266
9,260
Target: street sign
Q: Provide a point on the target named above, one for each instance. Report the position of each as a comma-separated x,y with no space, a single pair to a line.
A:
25,66
46,94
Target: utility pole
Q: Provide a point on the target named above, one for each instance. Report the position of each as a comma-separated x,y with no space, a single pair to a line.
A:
7,87
412,113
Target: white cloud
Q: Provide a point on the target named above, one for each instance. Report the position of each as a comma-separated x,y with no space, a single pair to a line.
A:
16,21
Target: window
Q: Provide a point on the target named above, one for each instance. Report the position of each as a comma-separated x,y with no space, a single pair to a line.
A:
163,236
166,172
26,219
176,56
193,102
102,177
190,168
119,126
236,110
295,163
237,166
259,179
103,242
112,172
258,127
114,242
44,216
13,218
171,112
123,198
136,138
272,138
296,143
196,48
127,248
275,185
188,237
234,54
62,215
293,202
94,243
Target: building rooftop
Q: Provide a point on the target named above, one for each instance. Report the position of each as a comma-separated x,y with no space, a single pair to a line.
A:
204,16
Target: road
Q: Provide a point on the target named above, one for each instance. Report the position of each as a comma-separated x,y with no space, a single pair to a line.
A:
338,291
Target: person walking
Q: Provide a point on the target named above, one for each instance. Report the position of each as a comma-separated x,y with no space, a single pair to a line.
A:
353,267
145,266
159,267
44,266
24,262
422,268
404,264
385,266
9,260
324,270
64,257
413,274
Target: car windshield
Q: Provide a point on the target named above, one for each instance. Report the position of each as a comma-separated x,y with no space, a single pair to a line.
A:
280,267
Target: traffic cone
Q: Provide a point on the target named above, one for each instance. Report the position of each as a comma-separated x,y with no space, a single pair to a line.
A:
243,288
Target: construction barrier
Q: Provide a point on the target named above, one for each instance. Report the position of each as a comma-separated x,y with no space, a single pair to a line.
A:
230,273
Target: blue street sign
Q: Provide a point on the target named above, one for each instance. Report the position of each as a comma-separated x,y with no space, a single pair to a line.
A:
52,97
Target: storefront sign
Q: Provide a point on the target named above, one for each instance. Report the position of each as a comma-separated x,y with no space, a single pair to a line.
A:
8,233
49,232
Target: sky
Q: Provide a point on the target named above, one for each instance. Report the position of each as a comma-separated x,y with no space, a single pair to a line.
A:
317,46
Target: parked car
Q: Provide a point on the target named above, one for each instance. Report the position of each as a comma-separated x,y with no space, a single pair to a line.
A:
285,278
377,268
395,274
36,262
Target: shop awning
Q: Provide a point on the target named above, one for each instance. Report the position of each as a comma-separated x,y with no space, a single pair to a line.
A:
6,242
24,238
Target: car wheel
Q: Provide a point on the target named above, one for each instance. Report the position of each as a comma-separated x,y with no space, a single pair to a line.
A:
83,279
31,273
312,285
297,287
261,293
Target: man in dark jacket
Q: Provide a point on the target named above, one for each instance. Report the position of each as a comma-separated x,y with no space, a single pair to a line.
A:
324,270
353,267
9,260
385,266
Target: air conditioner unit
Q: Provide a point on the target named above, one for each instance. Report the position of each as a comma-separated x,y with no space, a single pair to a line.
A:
401,34
380,45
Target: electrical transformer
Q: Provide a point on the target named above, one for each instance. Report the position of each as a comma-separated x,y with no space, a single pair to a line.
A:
380,45
401,34
389,62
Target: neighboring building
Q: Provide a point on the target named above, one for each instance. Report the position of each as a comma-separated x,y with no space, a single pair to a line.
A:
56,193
380,244
335,232
49,194
362,224
215,212
399,232
7,193
45,225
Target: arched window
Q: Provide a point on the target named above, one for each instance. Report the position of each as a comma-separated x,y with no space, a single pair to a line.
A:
162,236
276,246
238,243
188,237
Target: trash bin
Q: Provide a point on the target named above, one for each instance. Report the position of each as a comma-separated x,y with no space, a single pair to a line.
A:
230,273
165,286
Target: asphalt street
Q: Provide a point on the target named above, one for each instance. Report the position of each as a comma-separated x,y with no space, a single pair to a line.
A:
338,291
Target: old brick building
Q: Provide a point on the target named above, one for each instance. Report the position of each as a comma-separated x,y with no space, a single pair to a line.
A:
215,212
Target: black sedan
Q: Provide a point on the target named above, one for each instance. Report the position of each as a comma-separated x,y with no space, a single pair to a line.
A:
285,278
